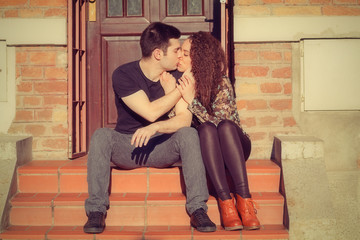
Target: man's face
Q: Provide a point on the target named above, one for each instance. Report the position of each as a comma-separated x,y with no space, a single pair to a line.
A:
170,60
185,60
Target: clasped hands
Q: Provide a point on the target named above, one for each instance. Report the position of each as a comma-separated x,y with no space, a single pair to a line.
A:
186,87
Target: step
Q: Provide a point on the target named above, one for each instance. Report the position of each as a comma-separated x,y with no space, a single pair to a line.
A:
138,233
135,209
65,176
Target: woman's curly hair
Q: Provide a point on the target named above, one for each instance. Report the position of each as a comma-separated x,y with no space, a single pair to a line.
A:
208,66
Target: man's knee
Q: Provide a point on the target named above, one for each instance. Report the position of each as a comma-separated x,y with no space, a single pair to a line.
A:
101,135
187,134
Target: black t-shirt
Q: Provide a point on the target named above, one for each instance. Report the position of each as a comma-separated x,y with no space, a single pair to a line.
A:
128,79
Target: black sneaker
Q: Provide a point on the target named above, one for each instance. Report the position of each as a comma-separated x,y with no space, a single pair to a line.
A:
200,220
95,223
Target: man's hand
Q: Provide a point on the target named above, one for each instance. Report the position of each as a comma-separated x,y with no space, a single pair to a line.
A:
168,82
142,136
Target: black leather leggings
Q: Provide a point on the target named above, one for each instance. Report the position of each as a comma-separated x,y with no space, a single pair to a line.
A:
225,145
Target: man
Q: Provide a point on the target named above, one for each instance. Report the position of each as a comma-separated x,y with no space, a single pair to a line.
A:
144,136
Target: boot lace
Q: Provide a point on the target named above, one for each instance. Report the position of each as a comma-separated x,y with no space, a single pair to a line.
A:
201,217
251,206
94,217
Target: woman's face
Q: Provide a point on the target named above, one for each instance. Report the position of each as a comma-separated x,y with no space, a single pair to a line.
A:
185,60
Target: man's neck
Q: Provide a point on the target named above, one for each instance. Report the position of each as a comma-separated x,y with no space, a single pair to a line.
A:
150,69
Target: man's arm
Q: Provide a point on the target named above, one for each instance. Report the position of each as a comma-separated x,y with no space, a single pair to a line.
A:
182,118
151,111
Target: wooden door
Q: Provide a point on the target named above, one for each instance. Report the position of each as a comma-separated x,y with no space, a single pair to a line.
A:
113,39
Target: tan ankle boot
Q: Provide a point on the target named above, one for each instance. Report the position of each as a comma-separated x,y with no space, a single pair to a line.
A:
229,216
247,210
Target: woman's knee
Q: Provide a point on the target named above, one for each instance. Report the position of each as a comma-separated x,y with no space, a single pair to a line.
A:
206,126
227,125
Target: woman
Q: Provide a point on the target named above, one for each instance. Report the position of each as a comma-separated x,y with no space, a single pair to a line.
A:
210,98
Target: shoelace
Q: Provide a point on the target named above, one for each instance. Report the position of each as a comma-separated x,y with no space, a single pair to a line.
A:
94,217
202,218
251,207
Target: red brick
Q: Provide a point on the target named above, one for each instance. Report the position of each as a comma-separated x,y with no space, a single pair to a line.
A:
282,73
251,71
32,72
271,87
257,136
30,13
297,10
281,104
320,2
48,3
245,55
8,3
43,115
248,122
60,129
32,101
241,104
21,57
43,58
287,88
35,129
268,120
340,11
24,115
55,143
272,1
11,13
55,73
56,12
271,56
289,122
52,101
296,2
51,87
258,104
24,87
345,1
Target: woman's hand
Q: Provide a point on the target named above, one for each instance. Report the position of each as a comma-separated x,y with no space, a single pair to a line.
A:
168,82
186,87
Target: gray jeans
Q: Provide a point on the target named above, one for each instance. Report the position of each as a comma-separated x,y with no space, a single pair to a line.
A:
161,151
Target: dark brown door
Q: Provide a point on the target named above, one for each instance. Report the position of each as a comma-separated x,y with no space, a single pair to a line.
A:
113,39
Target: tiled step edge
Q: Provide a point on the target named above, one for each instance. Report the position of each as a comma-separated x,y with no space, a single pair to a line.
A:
70,176
138,208
138,232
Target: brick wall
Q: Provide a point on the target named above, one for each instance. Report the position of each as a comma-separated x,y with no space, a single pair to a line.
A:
297,7
41,83
264,71
264,92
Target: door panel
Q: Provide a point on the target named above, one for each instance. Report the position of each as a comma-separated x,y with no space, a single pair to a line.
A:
118,50
114,40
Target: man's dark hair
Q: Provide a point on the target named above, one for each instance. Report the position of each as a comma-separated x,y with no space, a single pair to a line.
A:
157,35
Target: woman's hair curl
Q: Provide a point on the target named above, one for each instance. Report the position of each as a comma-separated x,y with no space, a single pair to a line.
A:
208,66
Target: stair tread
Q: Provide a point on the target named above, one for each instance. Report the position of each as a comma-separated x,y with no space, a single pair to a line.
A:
76,199
79,166
140,232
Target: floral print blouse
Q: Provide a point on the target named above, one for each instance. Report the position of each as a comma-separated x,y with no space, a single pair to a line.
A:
224,106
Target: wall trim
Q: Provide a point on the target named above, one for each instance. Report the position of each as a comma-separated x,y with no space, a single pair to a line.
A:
34,31
274,28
